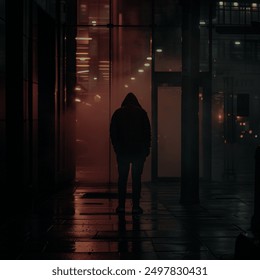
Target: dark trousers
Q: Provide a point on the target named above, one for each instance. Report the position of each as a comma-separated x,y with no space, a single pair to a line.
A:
123,171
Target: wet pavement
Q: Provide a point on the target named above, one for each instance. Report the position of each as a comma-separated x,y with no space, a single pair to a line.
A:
81,223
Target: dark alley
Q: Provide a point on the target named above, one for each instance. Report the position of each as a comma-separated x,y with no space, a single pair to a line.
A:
189,133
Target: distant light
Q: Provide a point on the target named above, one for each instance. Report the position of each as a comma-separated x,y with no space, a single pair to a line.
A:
77,88
235,4
140,70
132,78
81,53
147,64
254,5
159,50
237,43
83,71
221,3
84,38
77,100
202,22
94,22
241,136
97,98
256,136
126,86
244,123
95,78
149,58
250,131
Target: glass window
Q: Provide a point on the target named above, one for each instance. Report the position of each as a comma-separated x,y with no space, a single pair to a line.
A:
92,99
204,49
167,36
167,49
93,12
134,12
167,12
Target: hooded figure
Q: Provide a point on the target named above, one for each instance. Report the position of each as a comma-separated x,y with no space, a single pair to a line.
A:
130,134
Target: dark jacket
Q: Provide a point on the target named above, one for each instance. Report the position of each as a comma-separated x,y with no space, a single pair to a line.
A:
130,129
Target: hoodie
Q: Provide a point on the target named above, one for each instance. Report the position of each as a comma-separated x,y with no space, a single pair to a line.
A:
130,129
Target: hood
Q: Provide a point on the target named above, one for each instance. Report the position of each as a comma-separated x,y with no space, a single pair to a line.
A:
130,100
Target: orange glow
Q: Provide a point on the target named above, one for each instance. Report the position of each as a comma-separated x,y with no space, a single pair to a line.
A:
83,58
83,71
84,38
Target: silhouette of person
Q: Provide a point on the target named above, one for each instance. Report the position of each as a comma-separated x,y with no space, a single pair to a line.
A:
130,134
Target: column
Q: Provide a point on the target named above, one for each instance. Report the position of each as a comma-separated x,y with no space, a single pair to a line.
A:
190,102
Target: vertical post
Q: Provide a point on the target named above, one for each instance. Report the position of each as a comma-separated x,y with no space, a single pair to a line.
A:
190,102
71,33
229,130
46,101
154,99
207,106
255,223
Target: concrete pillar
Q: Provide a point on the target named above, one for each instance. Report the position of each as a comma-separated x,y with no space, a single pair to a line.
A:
190,102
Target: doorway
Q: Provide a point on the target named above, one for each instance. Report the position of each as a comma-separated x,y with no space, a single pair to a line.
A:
169,132
166,160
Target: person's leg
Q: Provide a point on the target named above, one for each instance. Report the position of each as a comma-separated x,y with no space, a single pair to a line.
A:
137,170
123,170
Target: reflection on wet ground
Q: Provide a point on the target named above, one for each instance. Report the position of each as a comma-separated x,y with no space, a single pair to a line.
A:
82,224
